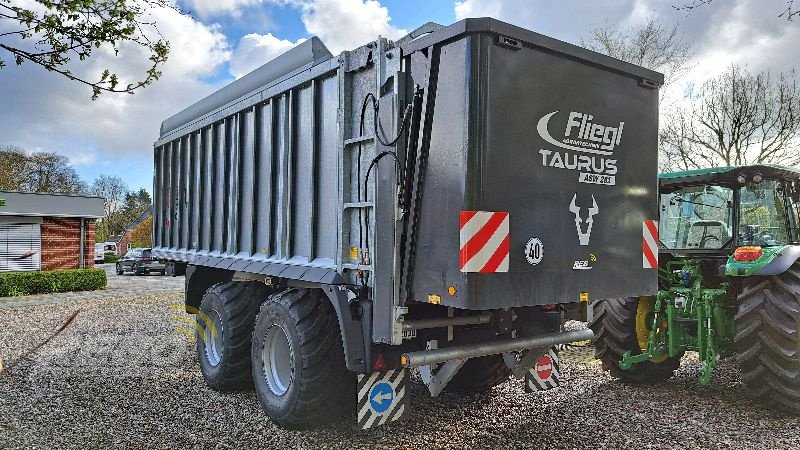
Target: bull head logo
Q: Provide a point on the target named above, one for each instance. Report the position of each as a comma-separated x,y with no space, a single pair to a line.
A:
583,238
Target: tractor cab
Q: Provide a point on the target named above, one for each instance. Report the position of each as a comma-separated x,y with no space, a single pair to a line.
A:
744,211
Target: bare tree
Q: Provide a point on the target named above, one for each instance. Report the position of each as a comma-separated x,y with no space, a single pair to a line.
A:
653,45
13,162
788,11
113,190
51,172
38,172
736,118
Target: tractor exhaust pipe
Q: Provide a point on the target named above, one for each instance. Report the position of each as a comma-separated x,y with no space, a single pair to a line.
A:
440,355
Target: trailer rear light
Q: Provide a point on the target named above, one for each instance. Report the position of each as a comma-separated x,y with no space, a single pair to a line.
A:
549,307
380,364
744,254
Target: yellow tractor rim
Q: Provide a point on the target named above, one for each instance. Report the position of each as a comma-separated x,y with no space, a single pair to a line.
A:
644,319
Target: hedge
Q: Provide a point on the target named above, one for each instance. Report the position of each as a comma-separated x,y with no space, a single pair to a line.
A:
110,258
15,284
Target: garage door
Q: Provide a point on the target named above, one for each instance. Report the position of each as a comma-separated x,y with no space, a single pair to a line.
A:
20,247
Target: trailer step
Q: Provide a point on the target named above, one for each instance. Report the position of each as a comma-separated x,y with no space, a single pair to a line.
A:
358,140
359,205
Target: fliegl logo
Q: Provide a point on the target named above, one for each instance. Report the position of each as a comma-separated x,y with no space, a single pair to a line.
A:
589,147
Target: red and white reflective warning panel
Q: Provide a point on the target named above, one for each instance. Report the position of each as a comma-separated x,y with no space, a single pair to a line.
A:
650,244
484,241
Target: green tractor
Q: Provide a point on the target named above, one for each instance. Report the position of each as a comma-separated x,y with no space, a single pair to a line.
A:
729,284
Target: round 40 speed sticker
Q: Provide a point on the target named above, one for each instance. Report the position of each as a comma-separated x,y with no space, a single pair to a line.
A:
534,251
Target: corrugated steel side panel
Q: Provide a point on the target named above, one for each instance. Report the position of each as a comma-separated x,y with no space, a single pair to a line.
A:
260,184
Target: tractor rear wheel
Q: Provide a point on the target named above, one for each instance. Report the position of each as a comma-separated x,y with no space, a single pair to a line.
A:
623,325
479,374
768,338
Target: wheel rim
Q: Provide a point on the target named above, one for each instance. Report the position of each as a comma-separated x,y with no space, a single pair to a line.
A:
645,310
277,360
212,337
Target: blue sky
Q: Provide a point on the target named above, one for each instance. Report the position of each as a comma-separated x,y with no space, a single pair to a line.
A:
222,39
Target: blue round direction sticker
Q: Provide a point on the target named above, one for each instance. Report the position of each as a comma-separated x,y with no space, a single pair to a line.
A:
381,397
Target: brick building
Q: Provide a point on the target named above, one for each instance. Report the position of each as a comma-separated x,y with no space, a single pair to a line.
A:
47,231
123,241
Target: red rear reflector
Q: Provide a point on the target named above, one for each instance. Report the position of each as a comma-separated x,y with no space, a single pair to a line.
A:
747,253
549,307
380,364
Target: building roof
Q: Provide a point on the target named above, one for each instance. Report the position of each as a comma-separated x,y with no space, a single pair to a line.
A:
37,204
141,218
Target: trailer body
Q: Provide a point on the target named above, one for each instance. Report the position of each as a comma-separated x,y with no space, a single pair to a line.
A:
506,172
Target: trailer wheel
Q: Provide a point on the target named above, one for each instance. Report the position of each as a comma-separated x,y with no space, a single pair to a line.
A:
479,374
298,360
621,325
224,329
767,338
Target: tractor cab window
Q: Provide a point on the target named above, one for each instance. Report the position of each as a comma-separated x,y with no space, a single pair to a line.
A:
696,217
763,216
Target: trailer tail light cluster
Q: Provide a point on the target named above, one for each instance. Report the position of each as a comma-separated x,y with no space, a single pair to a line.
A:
746,254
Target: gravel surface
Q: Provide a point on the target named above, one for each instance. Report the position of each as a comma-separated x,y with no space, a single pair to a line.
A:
121,376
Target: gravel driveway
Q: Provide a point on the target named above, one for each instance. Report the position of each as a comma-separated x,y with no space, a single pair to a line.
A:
121,375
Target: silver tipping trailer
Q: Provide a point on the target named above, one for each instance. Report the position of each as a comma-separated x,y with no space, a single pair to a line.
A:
437,202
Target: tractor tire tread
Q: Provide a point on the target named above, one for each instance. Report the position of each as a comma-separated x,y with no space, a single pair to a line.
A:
614,326
768,337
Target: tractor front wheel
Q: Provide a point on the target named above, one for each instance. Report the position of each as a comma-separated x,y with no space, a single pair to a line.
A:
623,325
768,338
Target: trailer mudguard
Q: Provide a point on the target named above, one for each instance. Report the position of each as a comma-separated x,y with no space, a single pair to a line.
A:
355,335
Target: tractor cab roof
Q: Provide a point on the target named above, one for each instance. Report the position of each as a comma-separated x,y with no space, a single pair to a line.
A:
726,175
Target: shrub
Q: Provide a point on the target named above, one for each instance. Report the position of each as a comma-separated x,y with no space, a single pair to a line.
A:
26,283
111,258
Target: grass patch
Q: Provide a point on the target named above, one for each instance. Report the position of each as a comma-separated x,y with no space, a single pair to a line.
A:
15,284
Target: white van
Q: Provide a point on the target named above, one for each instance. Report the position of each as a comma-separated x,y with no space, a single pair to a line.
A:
99,253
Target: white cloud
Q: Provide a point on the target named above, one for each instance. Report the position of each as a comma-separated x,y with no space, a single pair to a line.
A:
341,24
83,159
479,8
255,50
347,24
722,33
51,113
213,8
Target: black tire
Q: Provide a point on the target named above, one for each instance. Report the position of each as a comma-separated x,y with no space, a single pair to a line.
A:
767,338
479,375
119,270
614,327
226,365
319,388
